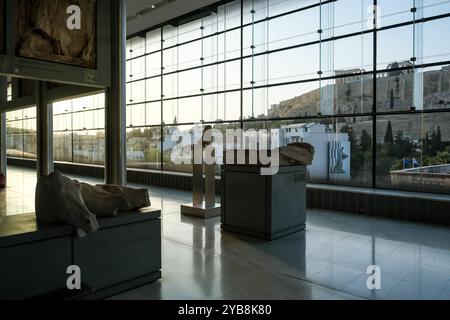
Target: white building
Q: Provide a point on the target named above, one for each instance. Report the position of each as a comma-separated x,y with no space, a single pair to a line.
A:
135,156
332,150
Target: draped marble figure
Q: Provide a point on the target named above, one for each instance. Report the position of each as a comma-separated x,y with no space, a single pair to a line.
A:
60,199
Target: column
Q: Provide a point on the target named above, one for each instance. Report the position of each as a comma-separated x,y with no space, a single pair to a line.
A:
115,126
3,159
44,132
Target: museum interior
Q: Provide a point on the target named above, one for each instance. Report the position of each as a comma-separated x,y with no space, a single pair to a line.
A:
216,150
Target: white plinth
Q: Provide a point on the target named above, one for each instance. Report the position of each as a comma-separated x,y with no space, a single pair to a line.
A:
200,211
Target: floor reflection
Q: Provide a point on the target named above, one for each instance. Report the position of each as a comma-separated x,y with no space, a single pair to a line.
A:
18,197
327,261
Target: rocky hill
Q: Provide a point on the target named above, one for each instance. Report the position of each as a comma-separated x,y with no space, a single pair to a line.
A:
394,93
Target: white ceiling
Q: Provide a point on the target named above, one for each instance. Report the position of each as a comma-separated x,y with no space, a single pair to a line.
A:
134,6
137,23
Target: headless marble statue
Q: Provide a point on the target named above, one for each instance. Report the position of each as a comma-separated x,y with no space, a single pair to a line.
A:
60,199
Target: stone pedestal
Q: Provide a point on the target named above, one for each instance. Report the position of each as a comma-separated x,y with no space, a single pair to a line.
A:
265,207
203,204
201,211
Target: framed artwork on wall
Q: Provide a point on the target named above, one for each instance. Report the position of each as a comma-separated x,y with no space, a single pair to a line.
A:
63,31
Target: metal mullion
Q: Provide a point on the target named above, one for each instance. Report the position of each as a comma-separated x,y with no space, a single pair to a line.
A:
291,12
393,26
161,136
320,42
216,44
374,74
442,63
268,52
253,58
202,59
374,93
242,66
172,21
335,38
197,39
317,117
71,129
225,64
145,84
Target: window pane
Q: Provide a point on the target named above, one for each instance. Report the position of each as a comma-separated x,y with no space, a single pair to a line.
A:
413,152
30,145
137,68
177,144
255,10
354,54
169,36
89,147
295,64
229,15
186,110
402,40
351,16
256,71
153,64
153,113
211,53
282,6
136,115
398,90
190,31
189,82
435,7
15,145
62,122
21,133
78,130
136,92
29,113
283,101
62,146
170,60
343,147
220,107
436,87
433,49
144,148
294,29
394,12
256,38
189,55
153,40
83,120
153,89
229,44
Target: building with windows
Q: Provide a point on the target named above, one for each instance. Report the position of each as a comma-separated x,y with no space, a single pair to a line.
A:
329,164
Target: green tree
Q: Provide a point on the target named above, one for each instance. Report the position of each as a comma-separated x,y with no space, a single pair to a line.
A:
426,145
366,142
388,146
389,136
392,102
436,141
403,148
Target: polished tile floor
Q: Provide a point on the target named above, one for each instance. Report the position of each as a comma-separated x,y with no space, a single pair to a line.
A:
327,261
